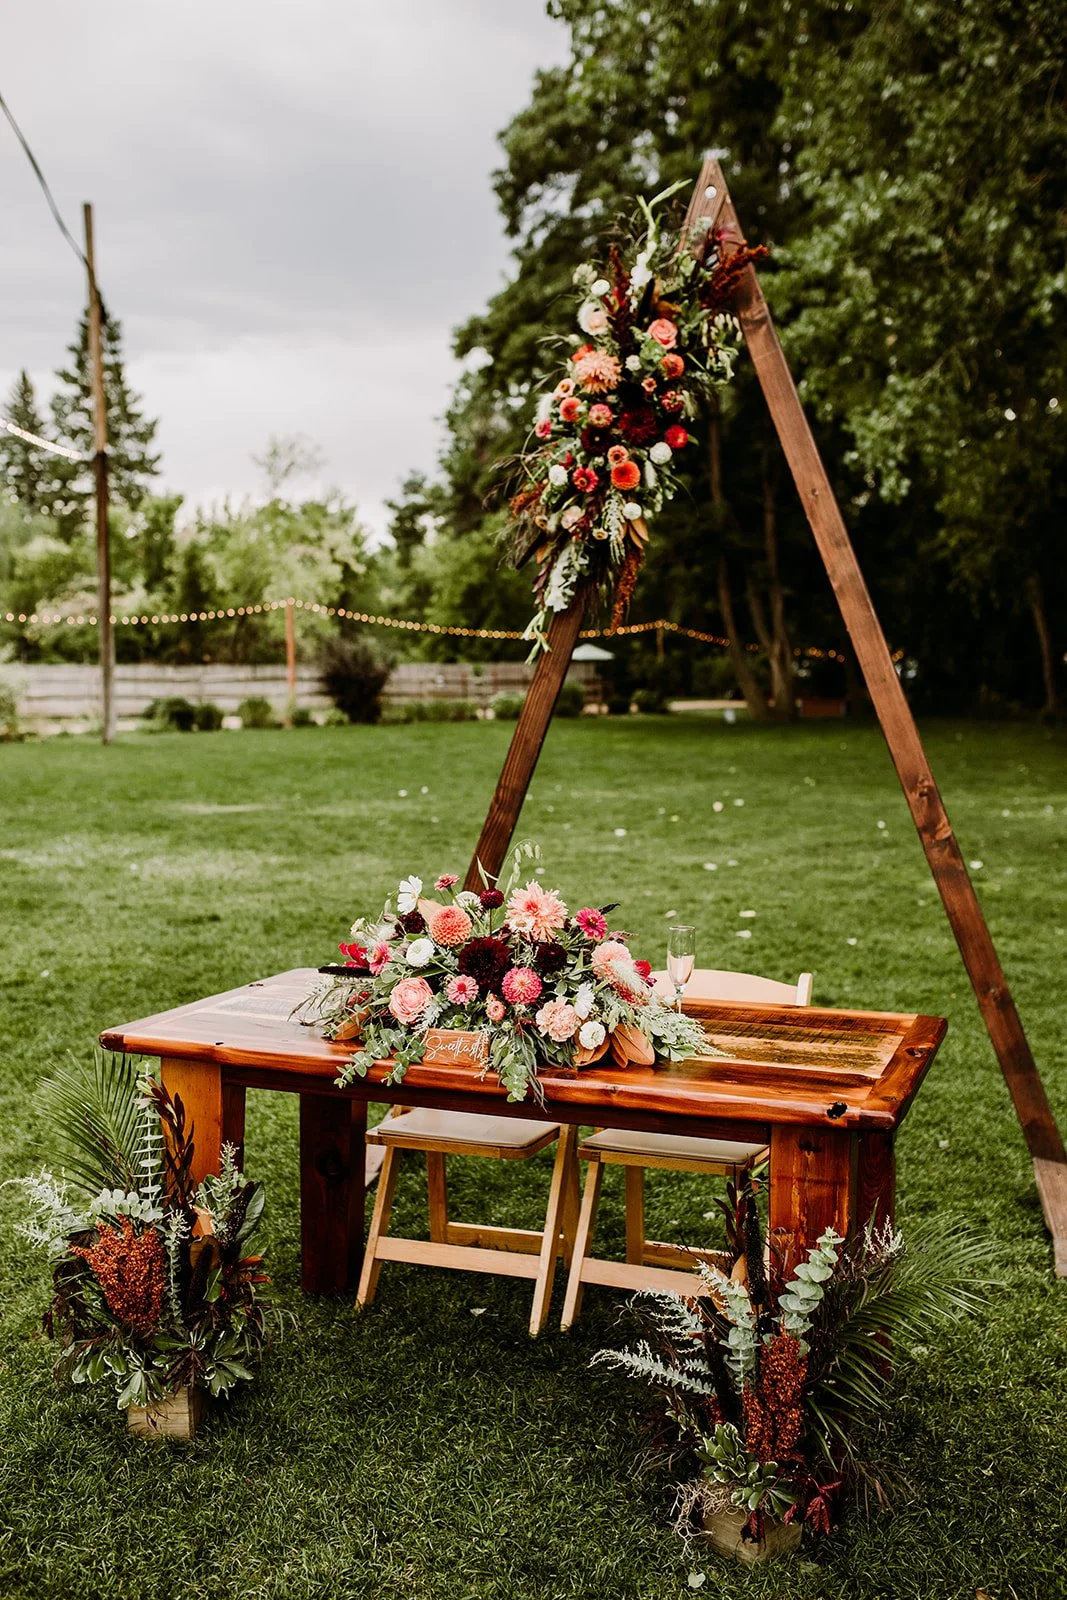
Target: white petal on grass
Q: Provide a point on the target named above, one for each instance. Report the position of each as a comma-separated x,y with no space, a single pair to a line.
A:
716,805
425,789
743,933
47,974
739,802
731,863
697,1580
852,941
976,866
880,824
711,866
746,913
620,833
942,1144
670,913
676,817
402,794
478,1311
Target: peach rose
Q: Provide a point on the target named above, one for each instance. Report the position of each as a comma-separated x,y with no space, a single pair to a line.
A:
664,332
409,1000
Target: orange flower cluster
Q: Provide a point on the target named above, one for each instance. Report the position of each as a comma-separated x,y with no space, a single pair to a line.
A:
131,1270
774,1409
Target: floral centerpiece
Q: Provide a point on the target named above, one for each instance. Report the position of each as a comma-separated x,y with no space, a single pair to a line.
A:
657,336
538,984
156,1289
772,1382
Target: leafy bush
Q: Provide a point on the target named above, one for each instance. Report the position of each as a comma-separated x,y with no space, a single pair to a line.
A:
506,707
300,717
571,702
257,712
618,705
335,719
431,711
208,716
355,673
653,702
9,714
172,713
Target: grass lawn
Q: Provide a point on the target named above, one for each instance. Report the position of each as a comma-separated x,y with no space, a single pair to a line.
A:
421,1450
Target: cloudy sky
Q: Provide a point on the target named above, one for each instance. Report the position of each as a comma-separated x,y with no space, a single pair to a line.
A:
292,211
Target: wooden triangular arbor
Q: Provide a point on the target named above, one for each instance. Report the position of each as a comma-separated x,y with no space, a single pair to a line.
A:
711,200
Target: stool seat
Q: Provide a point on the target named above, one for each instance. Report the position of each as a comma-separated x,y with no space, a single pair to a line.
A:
462,1133
672,1149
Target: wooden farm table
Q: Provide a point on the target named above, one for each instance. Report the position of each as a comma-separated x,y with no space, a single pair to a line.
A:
825,1089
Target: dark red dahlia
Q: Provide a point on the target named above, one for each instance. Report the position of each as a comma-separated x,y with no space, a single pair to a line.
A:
490,899
639,426
487,960
595,441
412,922
550,958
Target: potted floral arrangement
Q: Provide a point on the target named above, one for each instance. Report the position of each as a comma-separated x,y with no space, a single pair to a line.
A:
770,1383
511,975
657,336
156,1289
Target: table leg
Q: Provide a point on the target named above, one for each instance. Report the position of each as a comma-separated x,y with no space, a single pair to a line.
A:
332,1188
876,1179
214,1110
813,1187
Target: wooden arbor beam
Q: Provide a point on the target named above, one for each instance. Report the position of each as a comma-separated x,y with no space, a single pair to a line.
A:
927,808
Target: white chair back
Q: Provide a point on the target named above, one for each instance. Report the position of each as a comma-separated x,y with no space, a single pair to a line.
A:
709,984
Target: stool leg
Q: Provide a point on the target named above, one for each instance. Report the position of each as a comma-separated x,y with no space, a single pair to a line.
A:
635,1214
546,1269
383,1210
437,1190
583,1238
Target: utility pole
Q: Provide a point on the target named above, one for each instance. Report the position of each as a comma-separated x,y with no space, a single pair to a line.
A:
103,539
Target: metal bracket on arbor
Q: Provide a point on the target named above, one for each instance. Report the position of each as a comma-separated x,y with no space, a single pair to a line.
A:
711,200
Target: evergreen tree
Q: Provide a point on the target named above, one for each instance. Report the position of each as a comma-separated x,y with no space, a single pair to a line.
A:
26,471
131,435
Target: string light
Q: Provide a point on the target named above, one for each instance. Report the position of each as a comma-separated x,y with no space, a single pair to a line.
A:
370,619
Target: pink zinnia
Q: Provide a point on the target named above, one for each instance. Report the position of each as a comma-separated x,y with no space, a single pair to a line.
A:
538,913
597,372
445,881
450,926
558,1020
462,989
617,455
592,922
495,1009
379,958
600,415
521,986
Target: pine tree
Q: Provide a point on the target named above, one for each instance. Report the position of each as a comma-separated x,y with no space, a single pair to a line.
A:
27,473
131,434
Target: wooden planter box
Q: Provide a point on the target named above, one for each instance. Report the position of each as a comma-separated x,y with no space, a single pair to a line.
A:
177,1417
722,1530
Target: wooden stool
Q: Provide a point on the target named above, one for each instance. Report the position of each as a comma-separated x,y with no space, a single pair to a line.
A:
473,1246
649,1263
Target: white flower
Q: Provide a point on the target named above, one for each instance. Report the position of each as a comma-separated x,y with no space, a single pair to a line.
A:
407,896
592,318
590,1034
660,453
419,952
583,275
633,363
601,286
544,408
641,274
631,510
572,515
557,475
467,897
583,999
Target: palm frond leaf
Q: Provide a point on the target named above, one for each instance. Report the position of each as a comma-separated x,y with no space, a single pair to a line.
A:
93,1121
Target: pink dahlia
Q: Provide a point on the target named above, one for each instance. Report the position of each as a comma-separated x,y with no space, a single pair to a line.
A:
450,926
495,1009
521,986
597,372
543,429
462,989
445,881
592,922
558,1020
535,912
409,1000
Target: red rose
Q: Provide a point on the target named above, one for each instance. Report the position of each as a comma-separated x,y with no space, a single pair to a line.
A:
584,479
673,365
627,475
570,408
664,332
676,437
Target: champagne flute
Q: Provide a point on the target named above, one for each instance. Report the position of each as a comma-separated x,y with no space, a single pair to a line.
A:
681,956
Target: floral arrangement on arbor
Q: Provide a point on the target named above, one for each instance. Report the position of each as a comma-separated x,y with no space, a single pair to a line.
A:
772,1382
540,985
657,336
155,1286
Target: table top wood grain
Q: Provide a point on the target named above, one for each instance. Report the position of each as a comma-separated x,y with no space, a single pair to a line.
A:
859,1069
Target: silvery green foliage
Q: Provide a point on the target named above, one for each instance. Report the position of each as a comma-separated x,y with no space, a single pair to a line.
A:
754,1485
681,1327
51,1216
675,1035
114,1203
742,1342
177,1231
149,1152
803,1294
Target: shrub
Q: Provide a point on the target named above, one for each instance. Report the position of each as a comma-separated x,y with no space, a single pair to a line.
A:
172,713
651,701
300,717
431,711
571,702
335,719
618,705
506,707
9,714
355,672
208,716
257,712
